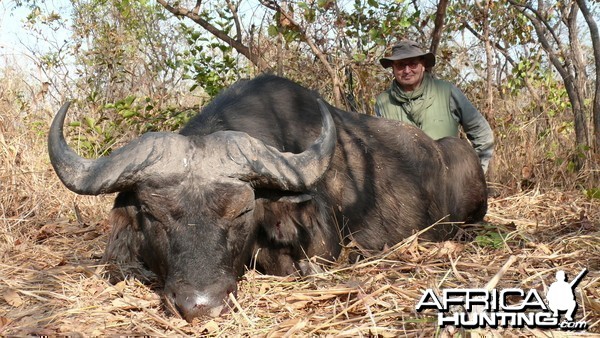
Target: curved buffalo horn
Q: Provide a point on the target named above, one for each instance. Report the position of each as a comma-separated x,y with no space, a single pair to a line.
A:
119,171
265,166
164,158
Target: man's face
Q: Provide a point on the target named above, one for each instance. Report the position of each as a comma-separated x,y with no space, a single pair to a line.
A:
409,72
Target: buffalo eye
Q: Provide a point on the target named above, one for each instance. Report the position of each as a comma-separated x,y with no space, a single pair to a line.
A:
231,201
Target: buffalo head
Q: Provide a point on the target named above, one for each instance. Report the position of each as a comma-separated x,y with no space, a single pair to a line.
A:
186,203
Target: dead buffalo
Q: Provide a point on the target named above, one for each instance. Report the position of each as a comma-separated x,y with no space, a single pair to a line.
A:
268,172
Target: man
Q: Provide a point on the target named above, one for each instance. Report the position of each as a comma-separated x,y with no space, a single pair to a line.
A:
436,106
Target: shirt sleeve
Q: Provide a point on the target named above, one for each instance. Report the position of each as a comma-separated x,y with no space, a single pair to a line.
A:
377,112
475,126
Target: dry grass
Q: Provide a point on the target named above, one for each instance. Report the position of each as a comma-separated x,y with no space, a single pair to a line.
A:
51,283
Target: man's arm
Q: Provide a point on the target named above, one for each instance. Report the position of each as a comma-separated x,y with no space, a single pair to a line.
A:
475,126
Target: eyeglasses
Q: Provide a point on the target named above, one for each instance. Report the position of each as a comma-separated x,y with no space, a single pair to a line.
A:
413,64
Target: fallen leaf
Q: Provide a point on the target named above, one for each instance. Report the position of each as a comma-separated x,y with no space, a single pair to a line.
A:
4,323
120,286
210,327
298,305
125,304
130,303
11,296
449,248
47,231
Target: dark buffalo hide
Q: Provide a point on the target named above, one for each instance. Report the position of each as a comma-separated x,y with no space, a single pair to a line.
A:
267,172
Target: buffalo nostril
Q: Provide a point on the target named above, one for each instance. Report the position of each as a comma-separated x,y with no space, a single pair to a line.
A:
197,304
191,302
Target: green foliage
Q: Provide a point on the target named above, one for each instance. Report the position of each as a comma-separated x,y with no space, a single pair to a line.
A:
510,25
494,236
492,240
378,22
209,63
143,115
592,193
289,34
124,119
530,67
122,47
557,98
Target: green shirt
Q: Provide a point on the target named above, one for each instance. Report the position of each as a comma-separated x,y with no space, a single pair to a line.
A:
438,108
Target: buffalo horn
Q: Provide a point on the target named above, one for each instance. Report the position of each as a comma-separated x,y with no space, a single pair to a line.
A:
119,171
164,156
267,167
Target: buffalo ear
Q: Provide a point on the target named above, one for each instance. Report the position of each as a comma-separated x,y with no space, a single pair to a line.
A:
122,255
125,237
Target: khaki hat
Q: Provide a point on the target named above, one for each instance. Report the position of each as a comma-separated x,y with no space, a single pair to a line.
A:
406,50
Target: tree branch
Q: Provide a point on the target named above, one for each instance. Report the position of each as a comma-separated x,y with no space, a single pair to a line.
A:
337,87
236,19
236,44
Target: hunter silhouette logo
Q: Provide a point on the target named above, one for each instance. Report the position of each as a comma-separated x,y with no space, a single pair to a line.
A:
512,307
561,294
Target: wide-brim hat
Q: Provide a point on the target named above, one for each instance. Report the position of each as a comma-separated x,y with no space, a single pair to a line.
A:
406,50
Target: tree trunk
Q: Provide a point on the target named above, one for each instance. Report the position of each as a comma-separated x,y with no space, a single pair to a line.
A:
440,16
595,37
578,81
488,112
